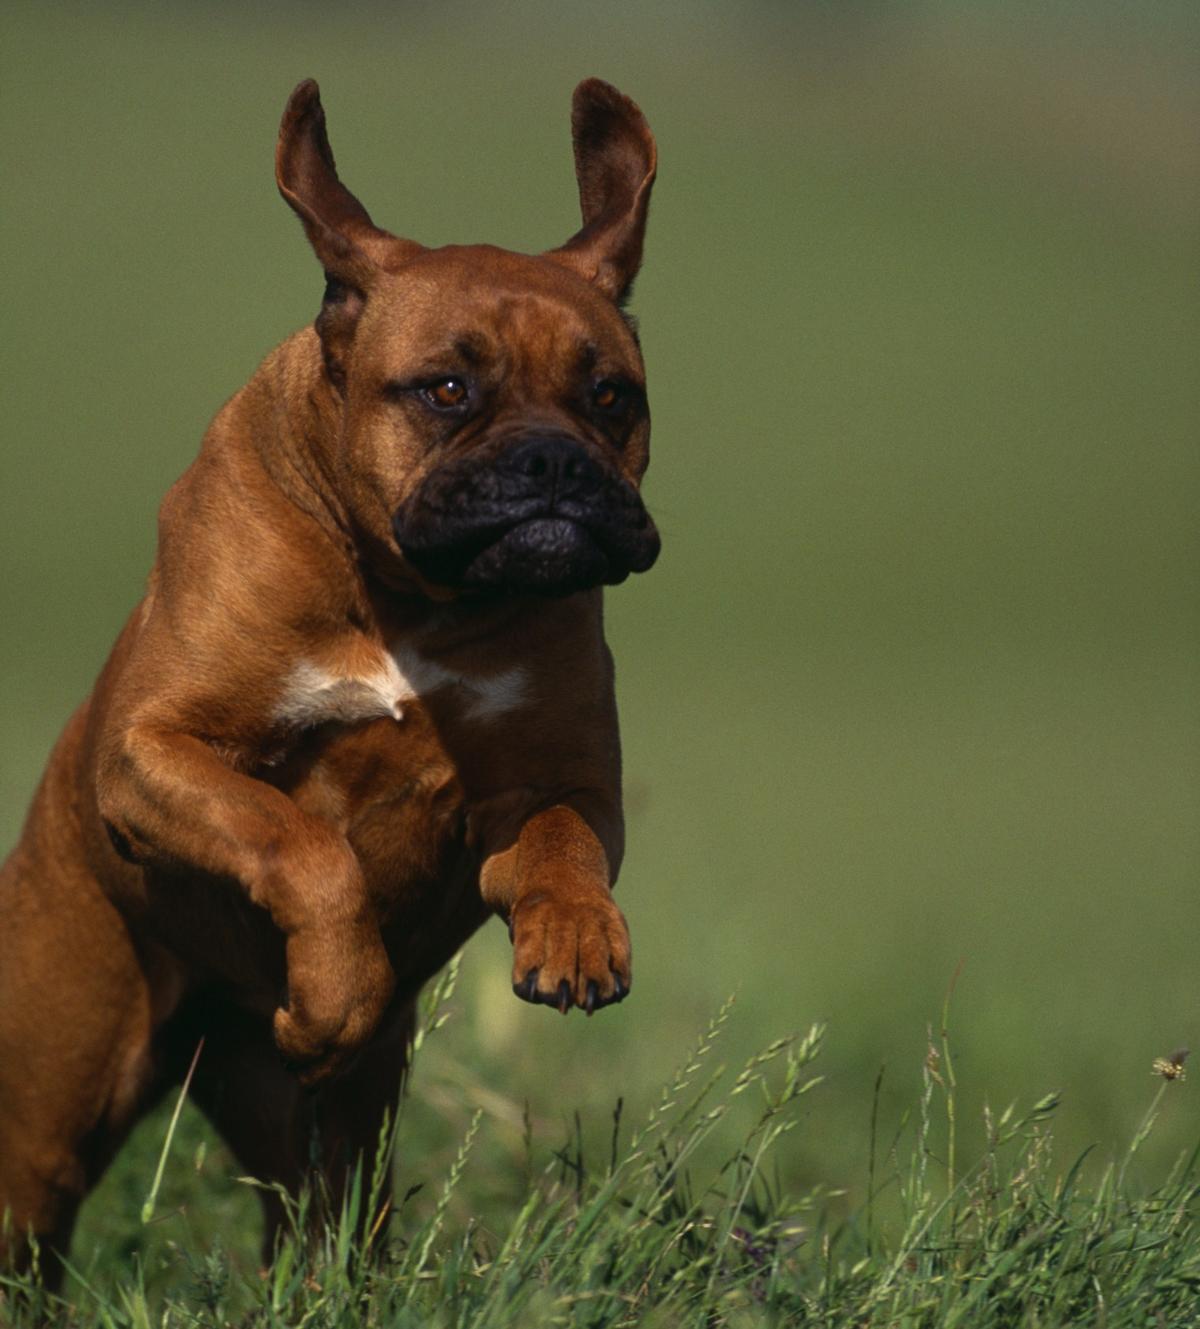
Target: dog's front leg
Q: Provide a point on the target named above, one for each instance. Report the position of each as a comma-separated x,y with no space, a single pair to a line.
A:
169,802
553,884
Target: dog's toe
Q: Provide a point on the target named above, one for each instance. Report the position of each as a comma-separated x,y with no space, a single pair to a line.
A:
526,988
570,953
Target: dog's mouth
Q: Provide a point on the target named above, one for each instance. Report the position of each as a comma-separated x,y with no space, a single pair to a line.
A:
544,517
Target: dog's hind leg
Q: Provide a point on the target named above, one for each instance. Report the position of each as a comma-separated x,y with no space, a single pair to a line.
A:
349,1113
280,1133
75,1064
241,1086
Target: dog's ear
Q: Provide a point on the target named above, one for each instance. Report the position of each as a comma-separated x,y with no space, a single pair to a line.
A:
351,248
615,161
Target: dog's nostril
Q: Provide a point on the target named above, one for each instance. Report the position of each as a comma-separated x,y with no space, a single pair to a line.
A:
551,460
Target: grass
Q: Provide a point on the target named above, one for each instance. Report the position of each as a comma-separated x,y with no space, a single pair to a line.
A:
639,1233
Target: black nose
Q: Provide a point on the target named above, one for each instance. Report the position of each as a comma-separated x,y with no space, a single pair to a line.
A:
555,462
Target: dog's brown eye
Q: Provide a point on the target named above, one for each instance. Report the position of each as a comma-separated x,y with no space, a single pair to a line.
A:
607,395
447,394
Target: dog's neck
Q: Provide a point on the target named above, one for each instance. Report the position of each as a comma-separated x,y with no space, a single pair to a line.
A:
306,411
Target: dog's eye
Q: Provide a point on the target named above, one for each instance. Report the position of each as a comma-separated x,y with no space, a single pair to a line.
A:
608,396
447,394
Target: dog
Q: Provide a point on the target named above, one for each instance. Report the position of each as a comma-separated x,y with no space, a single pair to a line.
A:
365,703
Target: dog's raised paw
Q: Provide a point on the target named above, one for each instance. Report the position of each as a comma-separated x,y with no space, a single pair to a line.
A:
337,994
570,952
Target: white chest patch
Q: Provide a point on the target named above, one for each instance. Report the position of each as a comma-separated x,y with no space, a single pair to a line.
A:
314,694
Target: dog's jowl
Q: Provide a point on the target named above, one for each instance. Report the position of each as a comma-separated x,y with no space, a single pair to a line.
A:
365,703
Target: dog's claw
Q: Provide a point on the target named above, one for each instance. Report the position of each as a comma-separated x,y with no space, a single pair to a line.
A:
569,953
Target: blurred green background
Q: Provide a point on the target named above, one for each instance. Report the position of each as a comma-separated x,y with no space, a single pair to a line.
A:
915,681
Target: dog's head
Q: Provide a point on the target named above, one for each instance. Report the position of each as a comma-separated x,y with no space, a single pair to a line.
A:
495,427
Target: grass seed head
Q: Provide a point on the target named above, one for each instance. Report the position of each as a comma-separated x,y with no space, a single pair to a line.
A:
1171,1068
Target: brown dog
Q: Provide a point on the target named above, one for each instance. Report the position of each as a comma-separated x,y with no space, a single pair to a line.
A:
365,702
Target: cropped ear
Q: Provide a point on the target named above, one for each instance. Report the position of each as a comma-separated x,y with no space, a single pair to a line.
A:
351,248
615,162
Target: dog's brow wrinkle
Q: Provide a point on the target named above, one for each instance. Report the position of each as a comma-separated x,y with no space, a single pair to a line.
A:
471,348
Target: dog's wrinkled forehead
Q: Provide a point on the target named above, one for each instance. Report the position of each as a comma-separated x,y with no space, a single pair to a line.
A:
476,306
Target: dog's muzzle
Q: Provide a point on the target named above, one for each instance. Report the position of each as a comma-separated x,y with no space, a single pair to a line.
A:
542,516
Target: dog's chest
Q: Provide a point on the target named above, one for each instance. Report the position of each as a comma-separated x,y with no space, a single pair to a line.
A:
377,747
373,683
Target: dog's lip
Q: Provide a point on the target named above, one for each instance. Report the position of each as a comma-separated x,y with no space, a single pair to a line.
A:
453,544
517,514
549,522
550,554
